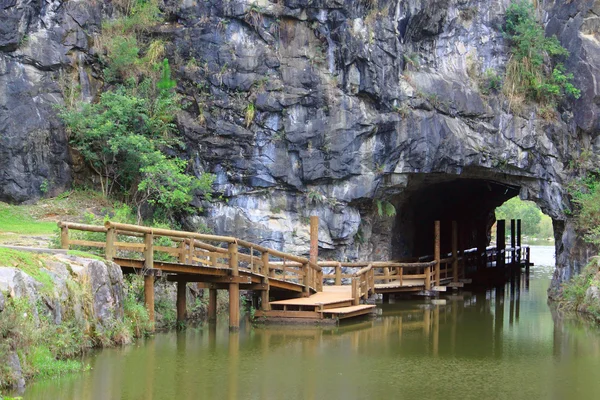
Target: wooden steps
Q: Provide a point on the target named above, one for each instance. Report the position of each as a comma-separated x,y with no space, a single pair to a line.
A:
349,312
334,302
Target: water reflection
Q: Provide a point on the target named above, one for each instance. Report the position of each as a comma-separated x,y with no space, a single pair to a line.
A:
503,342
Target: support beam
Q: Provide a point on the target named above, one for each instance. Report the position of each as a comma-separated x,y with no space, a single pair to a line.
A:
500,243
454,251
437,253
234,307
265,295
513,242
314,239
110,251
148,251
519,252
212,305
64,237
149,297
481,246
234,289
181,306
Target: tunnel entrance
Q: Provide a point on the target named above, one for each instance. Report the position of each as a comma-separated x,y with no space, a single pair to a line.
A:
428,197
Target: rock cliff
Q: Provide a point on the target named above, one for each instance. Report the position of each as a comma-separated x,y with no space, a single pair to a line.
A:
355,101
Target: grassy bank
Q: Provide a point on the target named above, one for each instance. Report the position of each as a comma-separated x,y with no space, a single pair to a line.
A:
44,345
582,293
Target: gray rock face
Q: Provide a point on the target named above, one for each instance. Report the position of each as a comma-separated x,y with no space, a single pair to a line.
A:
354,104
106,280
14,364
2,300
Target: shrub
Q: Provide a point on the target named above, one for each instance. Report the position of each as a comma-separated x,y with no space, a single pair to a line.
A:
585,193
528,72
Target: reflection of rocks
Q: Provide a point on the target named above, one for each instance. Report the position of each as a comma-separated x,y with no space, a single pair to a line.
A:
351,104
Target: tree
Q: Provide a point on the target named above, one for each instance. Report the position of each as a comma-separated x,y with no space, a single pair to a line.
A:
527,211
125,137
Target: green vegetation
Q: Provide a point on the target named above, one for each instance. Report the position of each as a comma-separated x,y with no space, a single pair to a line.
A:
42,347
46,349
18,220
574,292
129,137
385,208
534,223
30,263
585,193
528,73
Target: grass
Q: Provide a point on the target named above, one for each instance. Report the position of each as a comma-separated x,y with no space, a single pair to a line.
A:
44,365
17,219
29,263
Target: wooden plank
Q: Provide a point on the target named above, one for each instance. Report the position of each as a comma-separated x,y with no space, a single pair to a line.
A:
288,314
439,288
88,243
167,232
456,284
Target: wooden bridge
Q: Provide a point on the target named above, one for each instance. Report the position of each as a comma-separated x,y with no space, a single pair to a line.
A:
288,286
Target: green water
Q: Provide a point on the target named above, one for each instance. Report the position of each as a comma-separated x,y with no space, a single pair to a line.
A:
500,344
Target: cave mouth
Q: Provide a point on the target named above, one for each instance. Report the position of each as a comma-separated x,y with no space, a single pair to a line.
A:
429,198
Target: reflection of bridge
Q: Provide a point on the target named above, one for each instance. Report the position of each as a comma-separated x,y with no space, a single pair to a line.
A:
289,286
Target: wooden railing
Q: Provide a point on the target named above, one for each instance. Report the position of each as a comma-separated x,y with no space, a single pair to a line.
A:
125,240
363,284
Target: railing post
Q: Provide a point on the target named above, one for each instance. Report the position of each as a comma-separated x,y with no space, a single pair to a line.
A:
64,237
519,241
454,251
338,274
149,251
234,289
427,278
314,239
500,242
182,251
306,279
109,251
265,262
437,253
513,242
355,291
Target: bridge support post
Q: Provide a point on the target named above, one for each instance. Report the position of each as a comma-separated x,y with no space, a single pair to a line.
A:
513,243
212,305
314,239
500,242
437,254
454,251
264,295
519,252
181,300
149,297
234,289
481,246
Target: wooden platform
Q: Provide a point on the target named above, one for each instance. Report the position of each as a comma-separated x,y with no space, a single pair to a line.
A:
334,302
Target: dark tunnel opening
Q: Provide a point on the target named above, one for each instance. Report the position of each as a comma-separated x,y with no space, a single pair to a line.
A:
470,202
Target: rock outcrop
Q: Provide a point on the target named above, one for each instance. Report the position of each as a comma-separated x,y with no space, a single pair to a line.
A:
356,102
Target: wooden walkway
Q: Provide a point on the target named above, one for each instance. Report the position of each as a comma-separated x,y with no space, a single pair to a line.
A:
288,286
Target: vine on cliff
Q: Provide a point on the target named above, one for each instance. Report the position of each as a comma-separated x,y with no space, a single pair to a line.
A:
530,73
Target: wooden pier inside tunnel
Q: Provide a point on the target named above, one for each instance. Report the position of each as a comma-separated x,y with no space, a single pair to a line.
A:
429,197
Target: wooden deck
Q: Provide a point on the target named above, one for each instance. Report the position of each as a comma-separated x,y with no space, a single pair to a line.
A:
233,264
335,302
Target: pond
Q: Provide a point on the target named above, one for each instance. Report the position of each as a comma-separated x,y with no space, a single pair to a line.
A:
502,343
